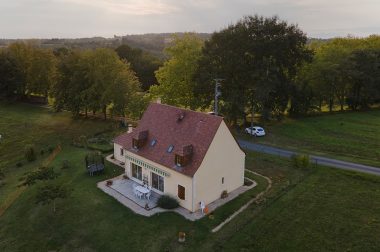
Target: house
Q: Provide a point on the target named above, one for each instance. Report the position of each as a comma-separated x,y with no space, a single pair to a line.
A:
189,155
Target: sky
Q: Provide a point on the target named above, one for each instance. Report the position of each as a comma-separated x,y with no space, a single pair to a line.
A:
88,18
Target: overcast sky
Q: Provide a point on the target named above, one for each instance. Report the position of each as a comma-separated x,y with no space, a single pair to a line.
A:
87,18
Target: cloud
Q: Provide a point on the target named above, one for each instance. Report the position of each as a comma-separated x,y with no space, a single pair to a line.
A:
130,7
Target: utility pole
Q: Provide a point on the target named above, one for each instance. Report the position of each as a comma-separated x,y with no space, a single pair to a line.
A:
218,93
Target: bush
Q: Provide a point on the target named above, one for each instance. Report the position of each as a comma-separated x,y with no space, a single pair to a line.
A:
42,152
167,202
30,153
43,173
65,164
301,161
19,164
247,182
2,175
50,149
224,194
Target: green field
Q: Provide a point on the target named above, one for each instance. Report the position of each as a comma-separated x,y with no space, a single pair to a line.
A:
316,209
351,136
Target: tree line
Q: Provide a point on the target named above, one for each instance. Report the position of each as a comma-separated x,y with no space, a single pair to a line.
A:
266,66
80,81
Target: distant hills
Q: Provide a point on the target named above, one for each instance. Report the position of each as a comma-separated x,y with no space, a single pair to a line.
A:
151,42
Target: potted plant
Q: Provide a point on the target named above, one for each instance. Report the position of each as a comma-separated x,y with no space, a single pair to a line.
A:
109,183
224,194
181,236
125,176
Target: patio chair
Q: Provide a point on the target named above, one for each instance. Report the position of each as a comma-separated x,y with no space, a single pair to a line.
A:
148,195
150,188
135,191
139,194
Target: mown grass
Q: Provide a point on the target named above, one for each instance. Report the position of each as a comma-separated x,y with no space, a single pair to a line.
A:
330,211
89,220
316,209
351,136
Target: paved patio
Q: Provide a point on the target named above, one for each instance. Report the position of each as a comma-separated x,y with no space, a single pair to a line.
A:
129,200
125,188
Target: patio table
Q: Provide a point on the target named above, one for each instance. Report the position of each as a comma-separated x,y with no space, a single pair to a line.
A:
142,189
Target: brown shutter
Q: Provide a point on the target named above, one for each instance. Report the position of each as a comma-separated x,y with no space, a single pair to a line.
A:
181,192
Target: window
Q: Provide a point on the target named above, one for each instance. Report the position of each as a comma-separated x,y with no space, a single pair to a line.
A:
222,180
170,149
121,152
135,143
181,192
179,160
157,182
136,171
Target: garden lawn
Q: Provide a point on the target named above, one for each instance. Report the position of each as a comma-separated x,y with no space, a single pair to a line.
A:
331,210
316,209
350,136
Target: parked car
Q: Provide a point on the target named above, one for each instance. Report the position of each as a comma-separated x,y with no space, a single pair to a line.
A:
255,131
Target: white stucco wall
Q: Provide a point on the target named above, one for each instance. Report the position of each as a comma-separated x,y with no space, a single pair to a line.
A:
170,183
225,159
116,152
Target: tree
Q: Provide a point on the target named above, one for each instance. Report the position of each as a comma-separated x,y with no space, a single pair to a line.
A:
176,76
364,67
41,73
10,76
258,58
93,81
50,193
21,52
142,63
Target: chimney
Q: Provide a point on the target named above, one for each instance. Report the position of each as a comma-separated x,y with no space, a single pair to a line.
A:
130,128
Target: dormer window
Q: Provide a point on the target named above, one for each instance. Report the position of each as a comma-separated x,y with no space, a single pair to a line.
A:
183,157
179,160
135,143
139,140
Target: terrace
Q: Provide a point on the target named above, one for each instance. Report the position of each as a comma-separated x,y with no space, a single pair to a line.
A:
125,188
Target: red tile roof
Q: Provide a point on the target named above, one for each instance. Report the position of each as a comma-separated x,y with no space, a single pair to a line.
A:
170,125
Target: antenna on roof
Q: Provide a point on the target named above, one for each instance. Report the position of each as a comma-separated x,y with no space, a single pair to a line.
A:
218,93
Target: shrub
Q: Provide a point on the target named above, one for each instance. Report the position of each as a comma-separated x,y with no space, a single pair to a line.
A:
42,152
65,164
301,161
50,149
2,175
247,182
19,164
167,202
30,153
83,141
43,173
224,194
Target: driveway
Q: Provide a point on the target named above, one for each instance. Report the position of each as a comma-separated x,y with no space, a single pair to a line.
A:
315,159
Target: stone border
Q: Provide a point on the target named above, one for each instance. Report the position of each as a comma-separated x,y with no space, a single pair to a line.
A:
217,228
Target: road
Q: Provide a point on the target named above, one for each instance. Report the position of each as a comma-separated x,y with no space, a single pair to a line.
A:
315,159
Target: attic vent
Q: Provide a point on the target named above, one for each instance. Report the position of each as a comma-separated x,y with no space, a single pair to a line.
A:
170,149
181,117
